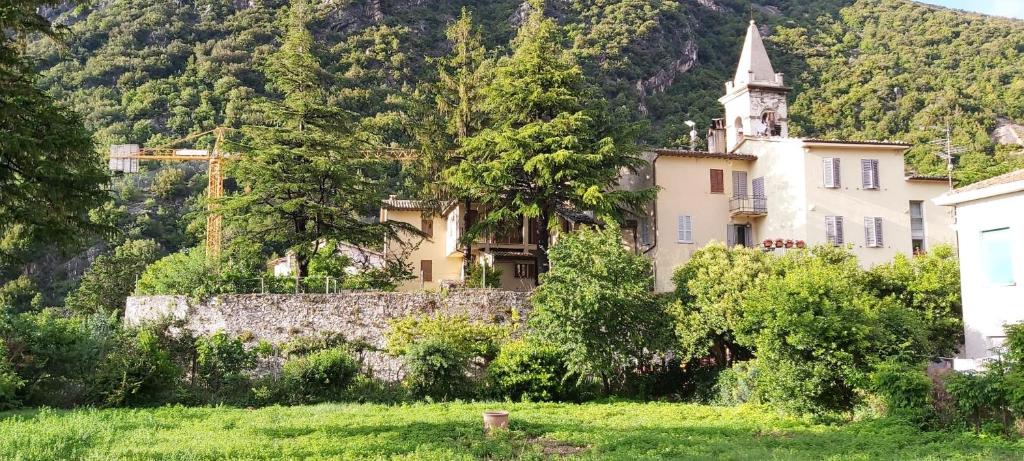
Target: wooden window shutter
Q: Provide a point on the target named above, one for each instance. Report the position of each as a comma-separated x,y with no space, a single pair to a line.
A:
869,173
749,236
739,183
427,270
685,230
427,226
717,181
730,235
873,232
830,167
834,230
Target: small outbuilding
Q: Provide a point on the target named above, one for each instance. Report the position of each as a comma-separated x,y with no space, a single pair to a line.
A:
990,231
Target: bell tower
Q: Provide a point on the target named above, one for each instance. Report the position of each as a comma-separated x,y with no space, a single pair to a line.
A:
755,99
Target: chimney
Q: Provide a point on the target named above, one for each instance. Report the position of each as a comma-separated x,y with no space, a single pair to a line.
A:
716,136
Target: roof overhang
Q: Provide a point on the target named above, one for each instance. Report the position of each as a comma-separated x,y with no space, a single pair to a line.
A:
955,198
897,146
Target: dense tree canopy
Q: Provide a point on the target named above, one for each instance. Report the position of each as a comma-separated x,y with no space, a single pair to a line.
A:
551,147
50,174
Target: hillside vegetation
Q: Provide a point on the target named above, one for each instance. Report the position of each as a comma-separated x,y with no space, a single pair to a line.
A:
144,72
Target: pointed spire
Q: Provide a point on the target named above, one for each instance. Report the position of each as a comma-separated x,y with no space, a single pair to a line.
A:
754,66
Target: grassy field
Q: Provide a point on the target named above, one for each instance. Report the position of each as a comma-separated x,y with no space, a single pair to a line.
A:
625,431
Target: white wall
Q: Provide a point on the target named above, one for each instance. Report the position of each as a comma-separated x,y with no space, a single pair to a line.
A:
988,307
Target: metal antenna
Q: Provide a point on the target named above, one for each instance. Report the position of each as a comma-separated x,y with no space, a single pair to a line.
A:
948,151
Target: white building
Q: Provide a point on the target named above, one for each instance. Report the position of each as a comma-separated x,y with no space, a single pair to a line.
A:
990,233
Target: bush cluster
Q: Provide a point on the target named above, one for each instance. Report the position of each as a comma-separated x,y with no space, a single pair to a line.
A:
811,331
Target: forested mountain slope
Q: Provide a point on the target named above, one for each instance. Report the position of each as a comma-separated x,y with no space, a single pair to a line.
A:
142,70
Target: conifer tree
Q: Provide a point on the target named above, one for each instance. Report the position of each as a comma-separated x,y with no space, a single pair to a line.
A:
462,76
304,177
552,146
50,173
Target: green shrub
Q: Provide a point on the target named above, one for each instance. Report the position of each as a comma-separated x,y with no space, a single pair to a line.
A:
904,390
483,276
56,356
474,339
182,273
596,304
438,370
737,384
320,376
222,366
111,277
532,371
10,383
138,370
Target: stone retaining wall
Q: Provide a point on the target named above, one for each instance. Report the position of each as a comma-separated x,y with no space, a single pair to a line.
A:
358,316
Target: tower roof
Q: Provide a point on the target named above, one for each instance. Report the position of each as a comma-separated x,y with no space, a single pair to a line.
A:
754,66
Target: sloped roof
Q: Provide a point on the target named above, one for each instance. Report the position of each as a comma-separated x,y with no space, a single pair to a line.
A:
754,65
1007,178
701,154
403,205
1009,183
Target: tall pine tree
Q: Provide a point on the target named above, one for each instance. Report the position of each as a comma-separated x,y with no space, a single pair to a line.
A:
50,173
303,172
552,146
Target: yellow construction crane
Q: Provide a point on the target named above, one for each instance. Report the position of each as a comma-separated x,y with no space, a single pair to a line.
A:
126,158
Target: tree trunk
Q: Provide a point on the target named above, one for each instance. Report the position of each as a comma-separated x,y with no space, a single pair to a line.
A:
543,237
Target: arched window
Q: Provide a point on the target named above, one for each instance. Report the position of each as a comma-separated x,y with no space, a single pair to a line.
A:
739,128
770,124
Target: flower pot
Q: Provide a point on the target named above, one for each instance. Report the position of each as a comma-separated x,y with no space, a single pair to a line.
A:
789,244
495,419
779,243
800,244
767,243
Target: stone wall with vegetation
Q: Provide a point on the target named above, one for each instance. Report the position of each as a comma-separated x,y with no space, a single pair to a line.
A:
361,317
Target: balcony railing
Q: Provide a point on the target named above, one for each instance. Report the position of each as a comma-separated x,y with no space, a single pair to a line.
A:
748,206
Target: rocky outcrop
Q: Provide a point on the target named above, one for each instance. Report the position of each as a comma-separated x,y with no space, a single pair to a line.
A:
360,317
663,79
1008,132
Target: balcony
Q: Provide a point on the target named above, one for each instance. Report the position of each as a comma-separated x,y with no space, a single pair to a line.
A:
750,206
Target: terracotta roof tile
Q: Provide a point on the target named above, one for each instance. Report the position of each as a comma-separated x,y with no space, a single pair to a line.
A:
701,154
1007,178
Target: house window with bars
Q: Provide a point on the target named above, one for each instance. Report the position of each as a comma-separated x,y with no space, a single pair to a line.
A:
869,173
834,230
830,168
685,229
873,232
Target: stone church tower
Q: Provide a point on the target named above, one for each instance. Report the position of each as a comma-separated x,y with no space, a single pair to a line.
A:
755,99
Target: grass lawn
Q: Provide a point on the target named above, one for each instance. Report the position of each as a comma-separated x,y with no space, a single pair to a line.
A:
625,431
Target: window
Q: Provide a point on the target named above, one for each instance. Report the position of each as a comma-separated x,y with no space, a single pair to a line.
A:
685,229
739,234
771,125
873,232
869,173
427,226
739,184
834,230
427,270
645,231
717,181
917,226
524,271
997,256
830,167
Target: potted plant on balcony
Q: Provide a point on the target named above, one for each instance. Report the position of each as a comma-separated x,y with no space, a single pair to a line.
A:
779,243
789,243
801,244
767,244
